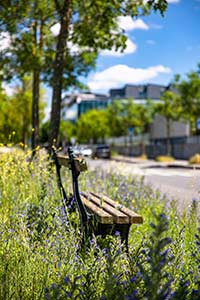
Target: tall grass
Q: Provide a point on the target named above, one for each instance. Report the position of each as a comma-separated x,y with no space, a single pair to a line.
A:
40,256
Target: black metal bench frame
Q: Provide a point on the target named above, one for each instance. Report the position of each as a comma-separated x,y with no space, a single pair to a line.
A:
93,219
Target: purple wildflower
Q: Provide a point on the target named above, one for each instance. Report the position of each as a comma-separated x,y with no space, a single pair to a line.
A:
66,280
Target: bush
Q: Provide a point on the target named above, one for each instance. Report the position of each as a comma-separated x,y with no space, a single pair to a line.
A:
164,158
195,159
143,157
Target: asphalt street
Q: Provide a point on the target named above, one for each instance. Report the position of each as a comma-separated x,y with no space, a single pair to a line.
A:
176,181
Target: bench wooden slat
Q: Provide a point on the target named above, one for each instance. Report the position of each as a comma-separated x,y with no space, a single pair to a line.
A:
80,163
102,216
133,217
118,216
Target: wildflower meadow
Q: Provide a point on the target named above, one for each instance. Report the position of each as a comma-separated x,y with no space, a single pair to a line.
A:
40,253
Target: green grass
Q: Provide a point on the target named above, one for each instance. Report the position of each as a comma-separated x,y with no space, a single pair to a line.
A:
40,254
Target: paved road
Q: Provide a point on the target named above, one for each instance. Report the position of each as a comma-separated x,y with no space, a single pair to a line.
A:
177,183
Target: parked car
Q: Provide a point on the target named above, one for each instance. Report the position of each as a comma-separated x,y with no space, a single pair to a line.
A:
101,151
84,151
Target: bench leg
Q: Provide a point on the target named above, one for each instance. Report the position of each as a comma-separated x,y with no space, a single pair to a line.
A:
112,229
123,230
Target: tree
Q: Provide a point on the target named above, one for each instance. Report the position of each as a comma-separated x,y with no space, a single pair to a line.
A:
95,27
15,113
22,103
92,126
126,114
115,116
32,49
67,131
25,24
189,90
171,109
5,125
144,116
91,25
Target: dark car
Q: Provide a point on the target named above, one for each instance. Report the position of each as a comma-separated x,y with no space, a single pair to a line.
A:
102,151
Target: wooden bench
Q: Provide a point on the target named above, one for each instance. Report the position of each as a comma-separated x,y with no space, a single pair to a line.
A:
99,214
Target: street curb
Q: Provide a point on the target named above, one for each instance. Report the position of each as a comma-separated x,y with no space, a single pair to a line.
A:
153,164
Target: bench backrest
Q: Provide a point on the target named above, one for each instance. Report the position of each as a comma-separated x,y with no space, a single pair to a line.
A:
76,165
80,163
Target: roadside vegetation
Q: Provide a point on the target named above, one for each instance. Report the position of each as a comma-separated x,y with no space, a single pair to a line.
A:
164,158
195,159
40,254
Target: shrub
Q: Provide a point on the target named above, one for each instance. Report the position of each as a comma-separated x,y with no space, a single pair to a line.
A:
143,156
164,158
195,159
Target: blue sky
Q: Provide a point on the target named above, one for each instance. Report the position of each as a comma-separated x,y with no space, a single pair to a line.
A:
158,48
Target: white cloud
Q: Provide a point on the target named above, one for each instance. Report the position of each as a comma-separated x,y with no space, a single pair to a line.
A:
128,24
119,75
4,40
130,48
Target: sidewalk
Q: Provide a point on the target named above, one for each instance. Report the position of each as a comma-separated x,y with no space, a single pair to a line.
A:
150,163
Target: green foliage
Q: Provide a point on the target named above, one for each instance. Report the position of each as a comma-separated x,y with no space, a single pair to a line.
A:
189,90
15,113
6,122
44,132
130,114
115,117
40,257
92,126
123,114
171,109
67,131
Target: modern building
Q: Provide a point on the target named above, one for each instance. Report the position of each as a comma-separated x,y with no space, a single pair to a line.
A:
75,105
179,130
139,92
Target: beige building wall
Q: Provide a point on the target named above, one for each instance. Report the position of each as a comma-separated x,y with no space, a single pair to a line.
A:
177,128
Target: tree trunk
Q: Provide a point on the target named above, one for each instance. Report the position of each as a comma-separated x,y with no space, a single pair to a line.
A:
36,88
24,129
65,15
35,110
